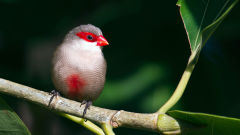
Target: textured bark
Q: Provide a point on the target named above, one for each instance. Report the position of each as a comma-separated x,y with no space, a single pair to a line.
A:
154,122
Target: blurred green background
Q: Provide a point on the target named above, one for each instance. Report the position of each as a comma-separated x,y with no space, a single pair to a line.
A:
147,54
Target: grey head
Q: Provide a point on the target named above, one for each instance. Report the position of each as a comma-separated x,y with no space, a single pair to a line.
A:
82,28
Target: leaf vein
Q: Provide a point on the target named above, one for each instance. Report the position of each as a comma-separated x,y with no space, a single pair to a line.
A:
199,30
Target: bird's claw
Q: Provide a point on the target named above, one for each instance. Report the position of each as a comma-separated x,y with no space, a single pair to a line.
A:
54,93
83,103
87,107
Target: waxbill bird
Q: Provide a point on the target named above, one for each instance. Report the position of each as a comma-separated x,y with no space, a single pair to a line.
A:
79,67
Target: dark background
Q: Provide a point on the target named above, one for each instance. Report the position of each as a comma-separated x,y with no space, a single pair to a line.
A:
147,55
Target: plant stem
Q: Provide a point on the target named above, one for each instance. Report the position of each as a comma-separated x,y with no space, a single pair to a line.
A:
107,128
87,124
181,85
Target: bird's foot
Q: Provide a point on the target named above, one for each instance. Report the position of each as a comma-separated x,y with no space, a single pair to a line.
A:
87,106
83,102
54,93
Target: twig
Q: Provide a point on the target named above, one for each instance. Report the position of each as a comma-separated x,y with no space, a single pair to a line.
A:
107,129
95,114
87,124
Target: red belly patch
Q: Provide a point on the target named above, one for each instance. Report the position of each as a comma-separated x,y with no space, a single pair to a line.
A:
75,85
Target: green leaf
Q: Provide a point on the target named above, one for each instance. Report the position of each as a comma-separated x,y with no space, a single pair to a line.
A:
202,17
207,124
10,123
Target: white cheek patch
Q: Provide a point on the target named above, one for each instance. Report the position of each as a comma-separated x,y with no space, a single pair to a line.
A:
82,44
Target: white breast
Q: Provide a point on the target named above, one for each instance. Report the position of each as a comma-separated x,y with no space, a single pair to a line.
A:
86,60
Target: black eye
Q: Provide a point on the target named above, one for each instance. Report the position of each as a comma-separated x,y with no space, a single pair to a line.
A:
89,37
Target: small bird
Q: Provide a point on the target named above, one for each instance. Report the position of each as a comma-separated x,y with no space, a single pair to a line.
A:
79,67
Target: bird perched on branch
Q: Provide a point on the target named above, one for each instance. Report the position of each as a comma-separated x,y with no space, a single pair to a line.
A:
79,67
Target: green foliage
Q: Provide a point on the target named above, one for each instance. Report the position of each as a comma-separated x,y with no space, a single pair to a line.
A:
10,123
202,17
207,124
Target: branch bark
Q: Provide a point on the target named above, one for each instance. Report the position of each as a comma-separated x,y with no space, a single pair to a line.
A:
154,121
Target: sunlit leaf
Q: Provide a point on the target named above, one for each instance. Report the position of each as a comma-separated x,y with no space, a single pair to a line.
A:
202,17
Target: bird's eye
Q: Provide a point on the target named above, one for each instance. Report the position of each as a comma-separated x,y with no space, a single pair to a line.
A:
89,37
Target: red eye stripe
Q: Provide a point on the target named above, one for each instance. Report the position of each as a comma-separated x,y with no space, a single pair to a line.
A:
88,36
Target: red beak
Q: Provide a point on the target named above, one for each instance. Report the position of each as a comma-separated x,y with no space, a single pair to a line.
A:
101,41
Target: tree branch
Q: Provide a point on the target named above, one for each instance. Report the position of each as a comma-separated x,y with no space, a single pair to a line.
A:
154,122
